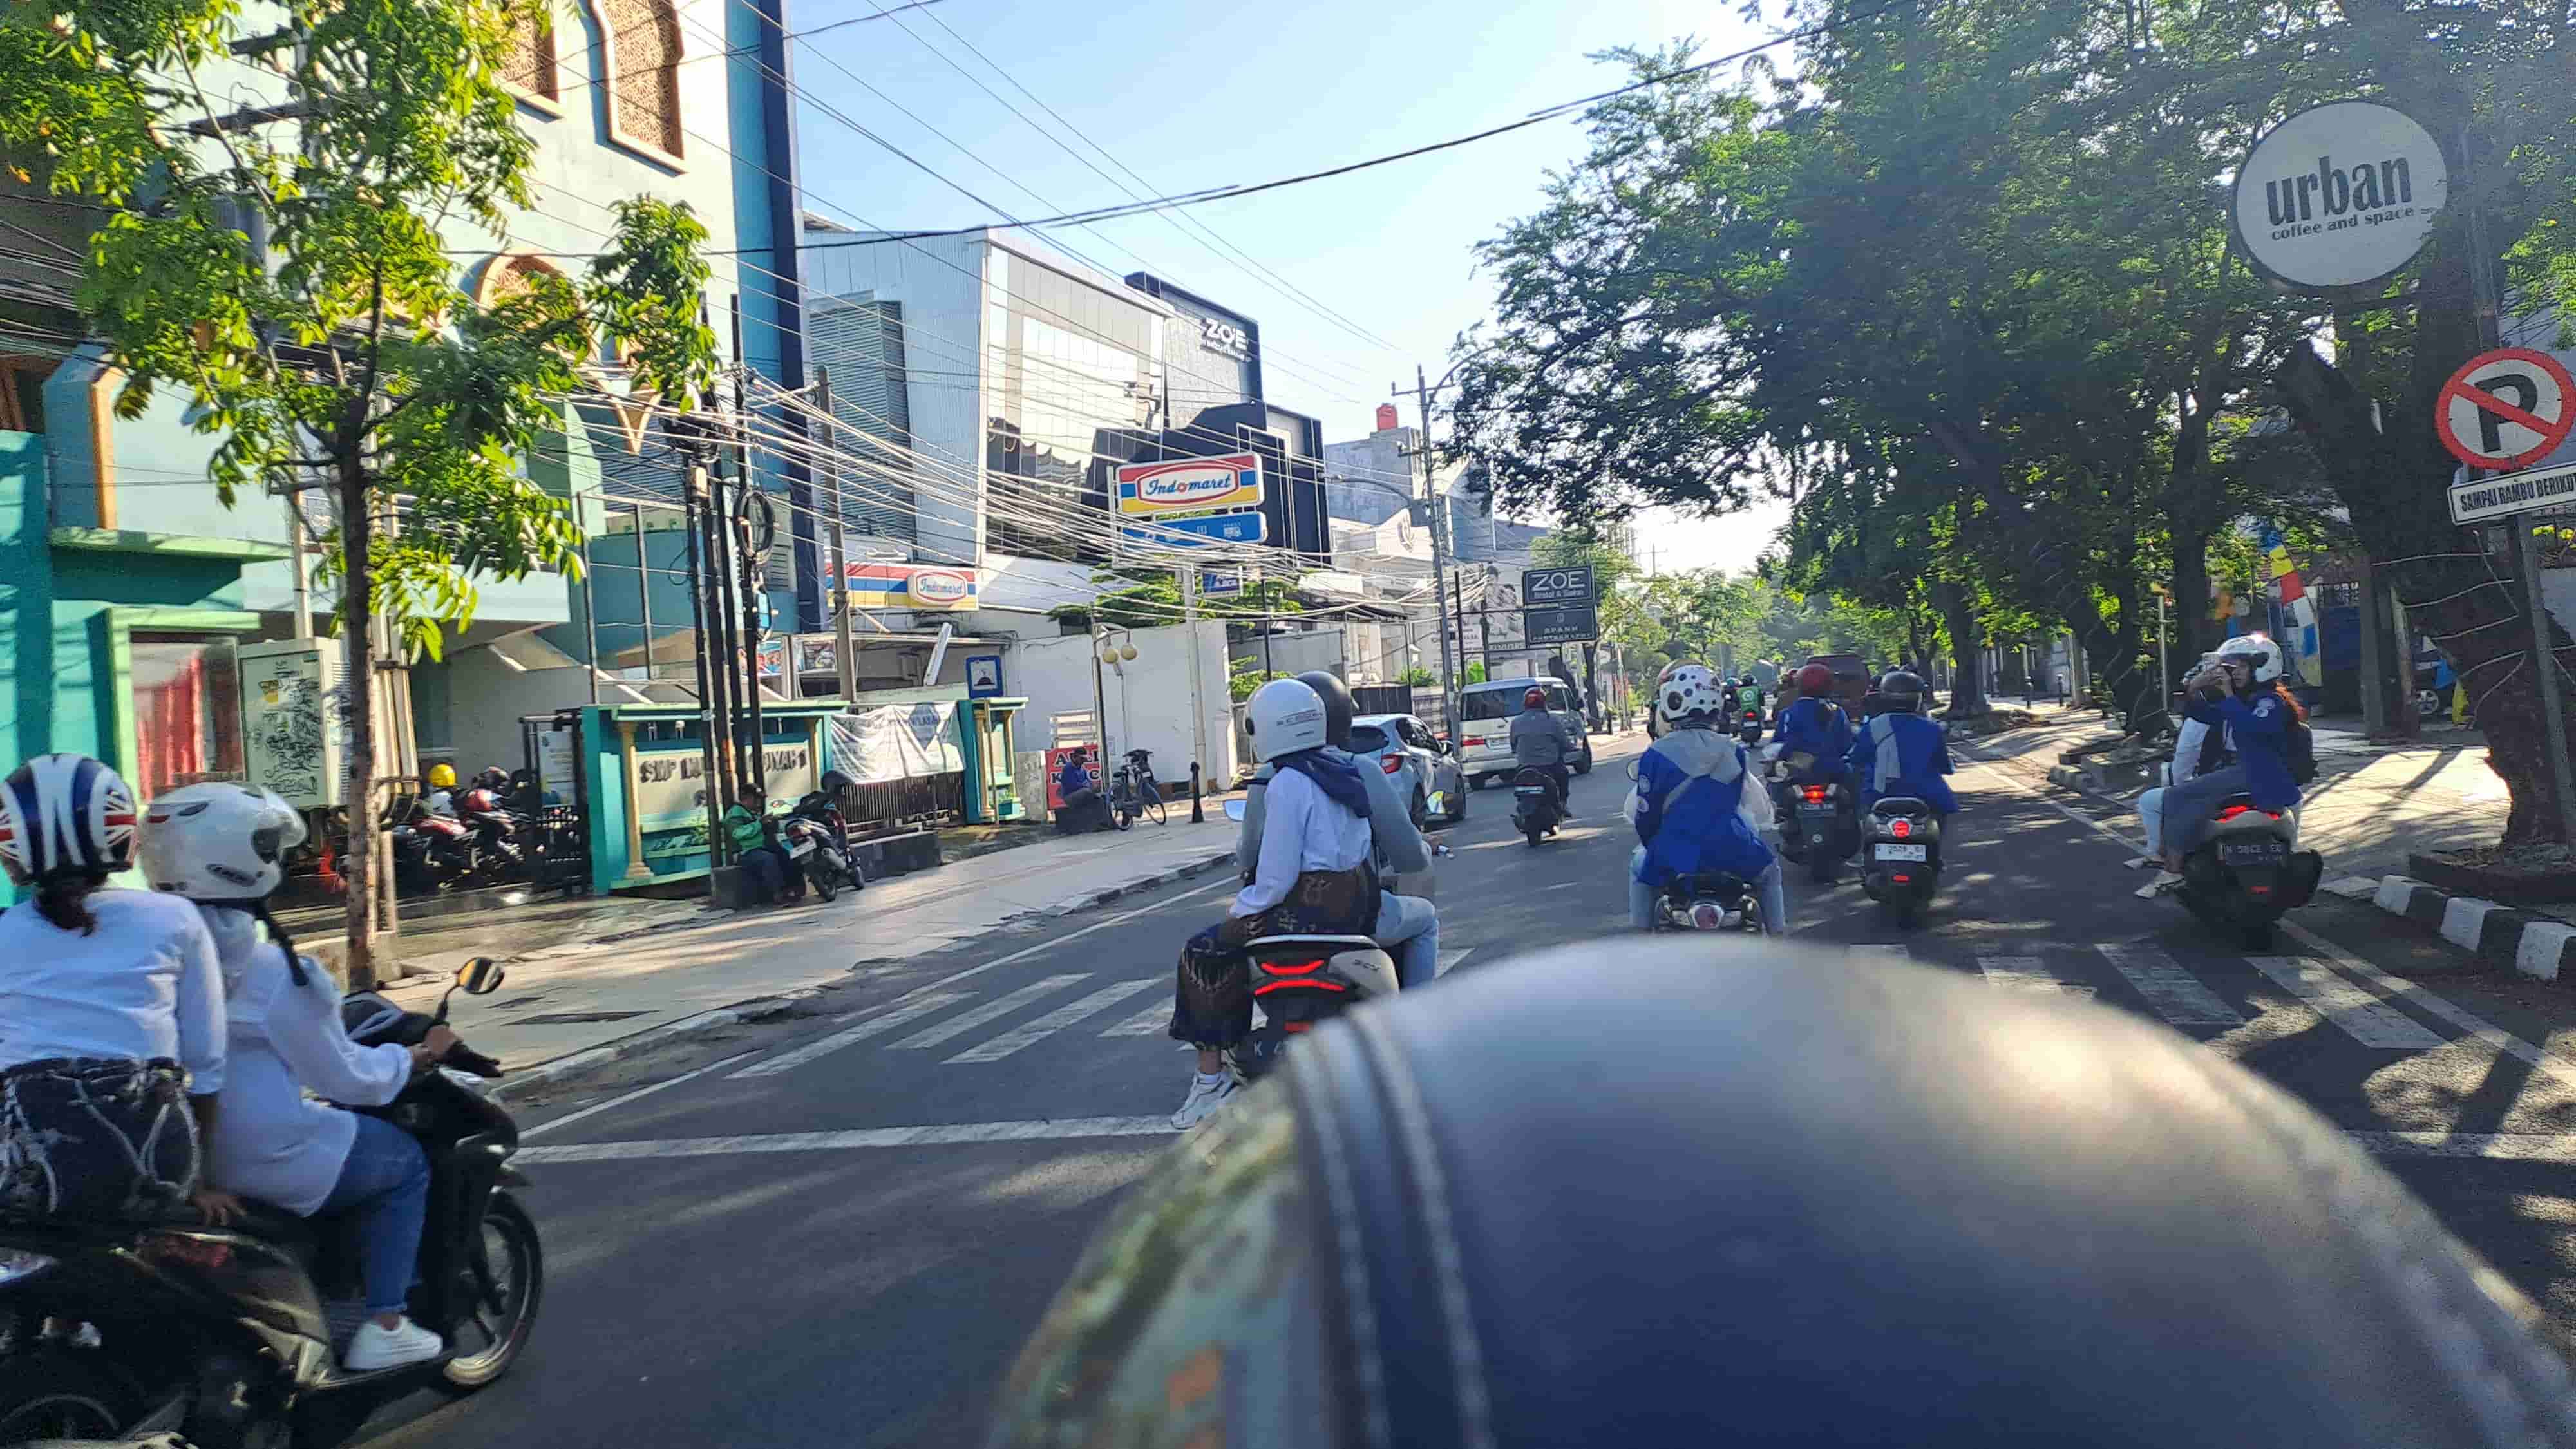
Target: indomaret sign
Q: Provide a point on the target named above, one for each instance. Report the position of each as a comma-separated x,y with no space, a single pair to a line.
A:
2340,195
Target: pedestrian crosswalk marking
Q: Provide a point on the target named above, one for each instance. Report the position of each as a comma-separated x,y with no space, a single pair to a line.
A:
1148,1022
992,1010
2369,1020
2027,973
874,1026
2173,993
1057,1020
1450,958
1860,955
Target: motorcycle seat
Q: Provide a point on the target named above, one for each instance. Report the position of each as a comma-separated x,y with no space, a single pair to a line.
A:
1900,805
1316,943
1722,884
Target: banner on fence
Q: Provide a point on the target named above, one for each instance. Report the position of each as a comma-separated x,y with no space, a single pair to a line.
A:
897,742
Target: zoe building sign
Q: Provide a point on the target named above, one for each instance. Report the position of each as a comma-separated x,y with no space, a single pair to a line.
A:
2340,195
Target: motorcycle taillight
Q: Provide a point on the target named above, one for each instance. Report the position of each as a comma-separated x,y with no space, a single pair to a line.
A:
187,1250
1815,794
1706,916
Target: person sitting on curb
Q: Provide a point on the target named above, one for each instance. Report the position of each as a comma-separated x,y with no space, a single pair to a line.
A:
747,822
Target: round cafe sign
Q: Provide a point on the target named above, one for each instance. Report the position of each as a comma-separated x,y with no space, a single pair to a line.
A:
2340,195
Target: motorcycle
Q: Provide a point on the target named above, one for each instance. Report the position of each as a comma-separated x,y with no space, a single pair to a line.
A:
1901,856
1707,901
227,1335
1536,810
2249,872
496,857
1298,984
813,855
1748,726
1812,825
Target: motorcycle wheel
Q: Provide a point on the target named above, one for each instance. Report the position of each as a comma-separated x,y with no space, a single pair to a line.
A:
1907,910
2258,937
518,1279
819,870
52,1394
1534,832
1820,866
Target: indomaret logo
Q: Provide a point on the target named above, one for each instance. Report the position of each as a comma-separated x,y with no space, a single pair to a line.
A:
1189,483
2339,194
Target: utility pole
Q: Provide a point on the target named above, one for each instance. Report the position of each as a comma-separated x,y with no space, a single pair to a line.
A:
754,776
711,720
1189,574
844,650
1439,545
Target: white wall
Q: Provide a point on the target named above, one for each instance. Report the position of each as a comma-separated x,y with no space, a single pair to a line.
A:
485,699
1148,697
1297,653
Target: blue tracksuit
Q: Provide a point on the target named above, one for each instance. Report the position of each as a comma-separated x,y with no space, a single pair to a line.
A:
1699,830
1819,728
1917,751
2260,733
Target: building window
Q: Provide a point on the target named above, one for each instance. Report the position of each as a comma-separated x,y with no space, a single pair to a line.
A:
643,54
22,393
511,276
187,710
530,69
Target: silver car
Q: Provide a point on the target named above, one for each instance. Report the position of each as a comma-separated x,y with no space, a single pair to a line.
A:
1404,747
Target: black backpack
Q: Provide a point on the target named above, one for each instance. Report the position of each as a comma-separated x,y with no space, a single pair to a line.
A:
2302,752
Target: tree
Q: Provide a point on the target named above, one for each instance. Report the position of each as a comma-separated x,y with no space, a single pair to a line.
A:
1418,677
337,352
1149,598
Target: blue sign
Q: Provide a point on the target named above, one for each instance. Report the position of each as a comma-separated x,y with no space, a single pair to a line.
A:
1226,583
1201,531
983,676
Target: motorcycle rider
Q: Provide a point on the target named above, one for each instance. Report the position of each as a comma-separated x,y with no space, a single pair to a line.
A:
1783,1203
277,1138
441,799
747,822
1085,808
1899,752
1749,699
111,1010
2198,749
1313,878
1692,810
1540,741
1815,726
2240,692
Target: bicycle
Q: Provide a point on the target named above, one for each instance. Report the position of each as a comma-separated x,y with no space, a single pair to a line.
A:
1134,791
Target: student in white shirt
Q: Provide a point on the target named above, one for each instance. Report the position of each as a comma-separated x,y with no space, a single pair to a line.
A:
111,1009
220,846
1312,877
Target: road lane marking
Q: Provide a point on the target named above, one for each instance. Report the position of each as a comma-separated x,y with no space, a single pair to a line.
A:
2028,973
945,1135
894,1016
2538,1058
1056,1020
990,1011
2361,1015
1449,959
2481,1146
620,1101
2175,994
1864,955
1144,1023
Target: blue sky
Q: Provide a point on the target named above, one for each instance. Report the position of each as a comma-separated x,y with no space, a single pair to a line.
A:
1192,95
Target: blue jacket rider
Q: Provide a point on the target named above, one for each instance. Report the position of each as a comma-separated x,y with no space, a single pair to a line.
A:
1900,752
1814,725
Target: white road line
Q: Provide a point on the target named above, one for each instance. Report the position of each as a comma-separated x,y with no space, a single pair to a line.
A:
2175,994
594,1110
2365,1017
895,1015
990,1011
1450,957
1862,955
1022,954
2485,1146
1056,1020
2539,1059
852,1140
2027,973
1144,1023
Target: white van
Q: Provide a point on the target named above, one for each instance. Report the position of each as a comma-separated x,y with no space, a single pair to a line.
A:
1484,729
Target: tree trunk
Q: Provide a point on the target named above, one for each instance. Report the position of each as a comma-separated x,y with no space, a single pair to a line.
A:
1967,673
358,685
2187,634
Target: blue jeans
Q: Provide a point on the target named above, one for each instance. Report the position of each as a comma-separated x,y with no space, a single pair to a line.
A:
1409,926
384,1183
767,871
1773,888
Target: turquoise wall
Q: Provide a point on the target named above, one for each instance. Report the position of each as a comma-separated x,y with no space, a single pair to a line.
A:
26,602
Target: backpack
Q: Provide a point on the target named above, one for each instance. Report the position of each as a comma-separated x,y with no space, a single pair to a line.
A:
2301,752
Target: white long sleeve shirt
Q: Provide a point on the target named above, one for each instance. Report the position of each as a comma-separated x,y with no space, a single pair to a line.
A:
145,983
1302,829
269,1141
2187,744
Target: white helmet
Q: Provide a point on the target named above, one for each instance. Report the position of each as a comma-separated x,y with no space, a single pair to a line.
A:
1690,690
1285,716
218,843
2257,653
65,813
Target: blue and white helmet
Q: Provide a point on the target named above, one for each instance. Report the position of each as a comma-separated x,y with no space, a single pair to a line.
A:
65,812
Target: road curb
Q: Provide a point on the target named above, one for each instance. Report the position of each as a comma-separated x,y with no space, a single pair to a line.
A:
2534,945
1184,871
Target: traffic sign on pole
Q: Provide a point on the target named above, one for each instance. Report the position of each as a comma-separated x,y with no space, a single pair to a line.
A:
2506,408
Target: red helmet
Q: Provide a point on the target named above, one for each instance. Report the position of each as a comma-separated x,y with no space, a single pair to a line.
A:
1536,698
1815,681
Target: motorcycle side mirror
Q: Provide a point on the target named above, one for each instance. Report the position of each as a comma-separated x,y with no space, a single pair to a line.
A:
1234,809
480,977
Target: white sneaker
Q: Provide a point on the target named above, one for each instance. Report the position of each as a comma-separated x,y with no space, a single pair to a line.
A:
377,1347
2165,880
1204,1098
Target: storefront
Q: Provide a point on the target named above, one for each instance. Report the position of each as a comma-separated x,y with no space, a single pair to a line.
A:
644,785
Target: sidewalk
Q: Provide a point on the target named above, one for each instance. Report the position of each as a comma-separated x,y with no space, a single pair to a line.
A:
575,999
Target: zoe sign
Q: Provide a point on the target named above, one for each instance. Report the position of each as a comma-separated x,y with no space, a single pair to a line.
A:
1225,338
2340,195
1557,605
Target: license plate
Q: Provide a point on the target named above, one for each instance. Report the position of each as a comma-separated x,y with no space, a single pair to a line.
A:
1903,852
1823,810
2254,852
799,852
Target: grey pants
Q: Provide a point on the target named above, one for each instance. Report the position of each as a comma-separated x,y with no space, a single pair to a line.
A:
2190,806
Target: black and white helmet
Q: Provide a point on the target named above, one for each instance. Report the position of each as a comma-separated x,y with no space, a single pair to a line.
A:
219,843
1690,692
65,812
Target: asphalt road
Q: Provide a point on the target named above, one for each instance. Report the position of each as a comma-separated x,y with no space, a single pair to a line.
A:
837,1231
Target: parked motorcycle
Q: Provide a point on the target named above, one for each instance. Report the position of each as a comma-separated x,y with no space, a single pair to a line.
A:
1707,901
1298,984
1536,809
1901,856
2249,872
813,855
221,1334
497,857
